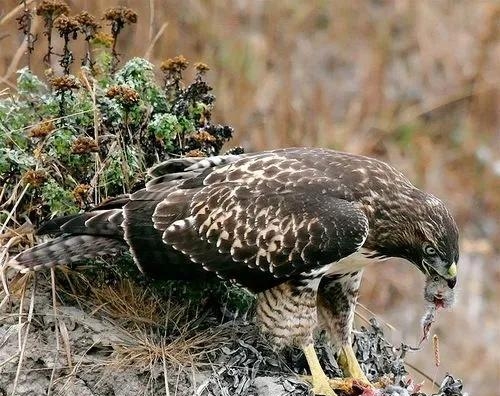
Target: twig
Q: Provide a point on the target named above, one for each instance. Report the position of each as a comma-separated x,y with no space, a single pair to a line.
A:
76,367
28,323
3,259
65,339
21,308
165,375
9,359
54,307
157,36
437,359
50,119
14,12
11,213
423,374
379,319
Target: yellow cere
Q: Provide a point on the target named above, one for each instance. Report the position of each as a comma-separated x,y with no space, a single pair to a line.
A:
452,271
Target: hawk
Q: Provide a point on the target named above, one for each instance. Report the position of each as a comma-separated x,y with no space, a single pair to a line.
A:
295,226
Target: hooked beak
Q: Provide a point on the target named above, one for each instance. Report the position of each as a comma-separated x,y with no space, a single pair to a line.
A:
440,268
452,273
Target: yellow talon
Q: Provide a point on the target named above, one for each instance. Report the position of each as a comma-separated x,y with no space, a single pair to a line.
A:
319,380
350,365
322,385
345,385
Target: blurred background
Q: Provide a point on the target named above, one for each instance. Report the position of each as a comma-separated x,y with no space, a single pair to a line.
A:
415,83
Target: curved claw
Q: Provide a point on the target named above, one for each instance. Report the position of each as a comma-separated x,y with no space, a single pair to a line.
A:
350,365
321,386
318,378
349,385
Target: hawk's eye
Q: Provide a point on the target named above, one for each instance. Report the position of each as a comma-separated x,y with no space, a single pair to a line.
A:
429,250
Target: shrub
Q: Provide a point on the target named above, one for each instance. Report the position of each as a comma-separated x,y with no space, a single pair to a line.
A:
70,140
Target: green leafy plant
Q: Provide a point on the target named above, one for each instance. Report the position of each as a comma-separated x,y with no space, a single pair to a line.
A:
71,140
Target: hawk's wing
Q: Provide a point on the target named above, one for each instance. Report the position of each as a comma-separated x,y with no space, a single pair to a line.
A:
254,221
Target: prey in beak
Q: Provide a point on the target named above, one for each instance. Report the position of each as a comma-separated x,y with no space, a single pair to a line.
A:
438,293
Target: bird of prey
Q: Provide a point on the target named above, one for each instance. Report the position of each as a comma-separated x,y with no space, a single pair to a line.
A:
296,226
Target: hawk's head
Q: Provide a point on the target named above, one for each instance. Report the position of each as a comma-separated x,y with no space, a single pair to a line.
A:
436,250
422,231
437,258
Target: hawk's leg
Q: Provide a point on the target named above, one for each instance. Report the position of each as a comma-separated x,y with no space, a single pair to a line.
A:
337,296
286,314
350,365
319,380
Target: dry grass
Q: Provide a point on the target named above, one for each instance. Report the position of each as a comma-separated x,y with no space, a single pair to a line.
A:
141,311
151,333
18,288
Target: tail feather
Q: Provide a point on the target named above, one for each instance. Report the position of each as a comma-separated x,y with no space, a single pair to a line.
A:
98,223
65,249
53,226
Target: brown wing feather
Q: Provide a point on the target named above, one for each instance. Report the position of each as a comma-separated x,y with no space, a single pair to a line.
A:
270,220
256,219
